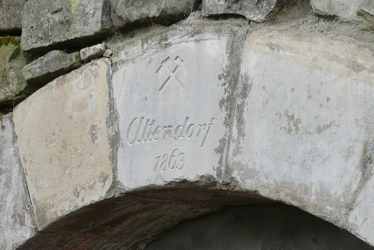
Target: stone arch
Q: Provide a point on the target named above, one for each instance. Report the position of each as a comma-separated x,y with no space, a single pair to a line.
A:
255,111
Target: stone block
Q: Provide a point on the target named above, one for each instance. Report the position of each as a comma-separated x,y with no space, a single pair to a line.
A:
366,11
12,61
125,12
11,16
16,223
93,52
253,10
50,66
48,23
306,117
64,142
345,9
169,98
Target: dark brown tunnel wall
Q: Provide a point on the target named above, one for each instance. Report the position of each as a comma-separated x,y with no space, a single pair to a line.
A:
192,218
258,228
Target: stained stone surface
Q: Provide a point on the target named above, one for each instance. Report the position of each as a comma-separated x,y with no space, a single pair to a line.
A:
251,9
64,144
50,66
48,23
125,12
11,15
12,61
306,126
169,102
345,9
16,224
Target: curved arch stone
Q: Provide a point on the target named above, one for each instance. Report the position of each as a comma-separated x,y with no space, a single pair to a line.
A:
171,92
305,126
64,142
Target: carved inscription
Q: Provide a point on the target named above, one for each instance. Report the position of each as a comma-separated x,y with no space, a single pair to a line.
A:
143,130
173,160
168,71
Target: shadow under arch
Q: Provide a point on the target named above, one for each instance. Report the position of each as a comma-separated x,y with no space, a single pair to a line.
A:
259,227
133,221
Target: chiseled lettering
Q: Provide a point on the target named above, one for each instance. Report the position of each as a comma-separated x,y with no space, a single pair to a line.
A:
156,134
190,130
168,131
143,130
131,136
210,124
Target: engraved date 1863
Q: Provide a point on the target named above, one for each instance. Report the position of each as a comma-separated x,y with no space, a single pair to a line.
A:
173,160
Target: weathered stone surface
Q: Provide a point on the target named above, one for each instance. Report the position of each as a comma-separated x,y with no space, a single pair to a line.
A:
366,11
168,89
16,224
304,130
11,15
12,61
345,9
129,11
64,142
361,218
93,52
253,9
50,66
50,23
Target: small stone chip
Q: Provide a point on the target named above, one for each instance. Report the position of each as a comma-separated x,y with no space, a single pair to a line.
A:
93,52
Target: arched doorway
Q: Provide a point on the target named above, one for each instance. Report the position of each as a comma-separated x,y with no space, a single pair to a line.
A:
192,217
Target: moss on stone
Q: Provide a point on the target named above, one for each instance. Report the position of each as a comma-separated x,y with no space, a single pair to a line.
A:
9,40
74,5
12,61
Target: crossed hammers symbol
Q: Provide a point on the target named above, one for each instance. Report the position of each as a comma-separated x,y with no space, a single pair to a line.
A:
178,61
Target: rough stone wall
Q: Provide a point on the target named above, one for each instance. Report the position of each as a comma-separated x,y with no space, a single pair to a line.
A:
260,100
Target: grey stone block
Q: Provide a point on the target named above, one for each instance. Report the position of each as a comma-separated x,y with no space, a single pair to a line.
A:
16,223
169,100
251,9
366,11
125,12
11,15
344,9
64,142
52,23
305,123
50,66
